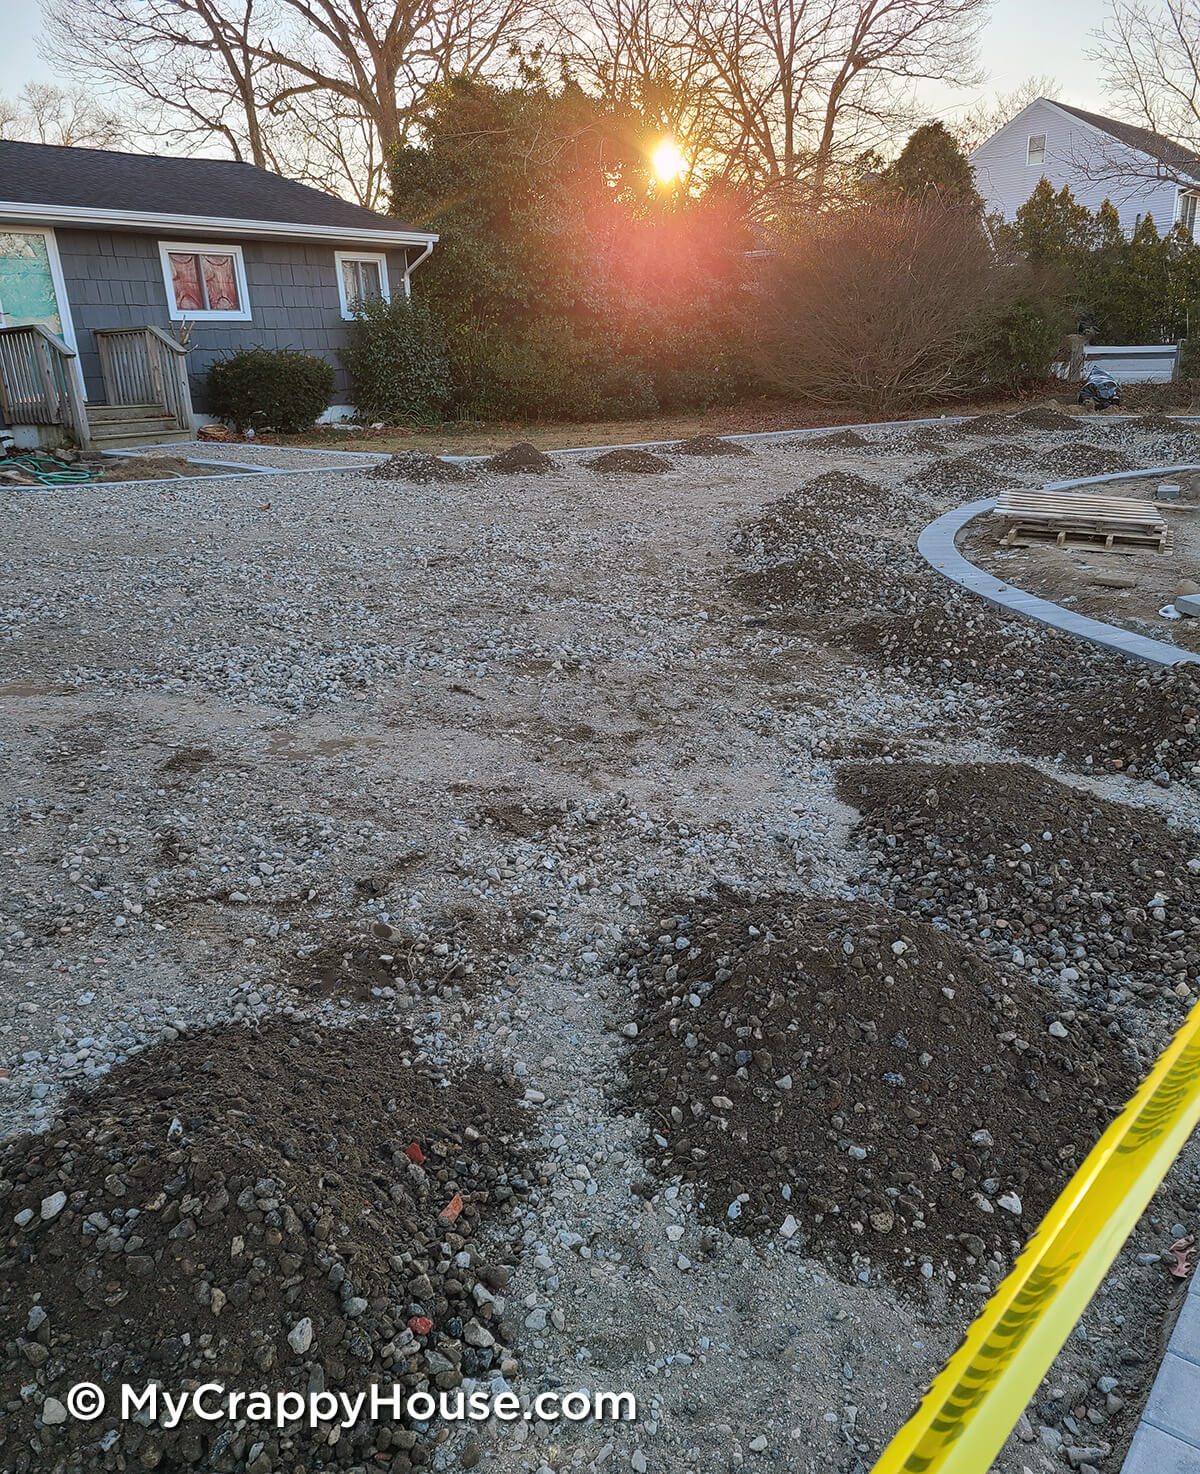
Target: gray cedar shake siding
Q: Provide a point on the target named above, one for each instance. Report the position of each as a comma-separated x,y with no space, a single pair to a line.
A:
115,279
109,214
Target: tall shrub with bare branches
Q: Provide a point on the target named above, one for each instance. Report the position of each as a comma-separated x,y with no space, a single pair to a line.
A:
885,306
1150,54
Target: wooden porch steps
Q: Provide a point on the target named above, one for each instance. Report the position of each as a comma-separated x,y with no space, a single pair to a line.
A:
116,425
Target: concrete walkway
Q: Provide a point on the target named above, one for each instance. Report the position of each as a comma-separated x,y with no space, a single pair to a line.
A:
937,546
1168,1437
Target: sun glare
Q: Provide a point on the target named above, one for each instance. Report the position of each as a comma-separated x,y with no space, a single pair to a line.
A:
668,161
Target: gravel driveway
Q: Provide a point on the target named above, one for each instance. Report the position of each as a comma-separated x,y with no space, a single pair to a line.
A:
259,734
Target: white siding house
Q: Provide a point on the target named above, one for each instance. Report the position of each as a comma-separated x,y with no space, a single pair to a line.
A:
1099,158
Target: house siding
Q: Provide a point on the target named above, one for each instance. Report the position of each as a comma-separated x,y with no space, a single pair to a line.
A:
114,280
1006,180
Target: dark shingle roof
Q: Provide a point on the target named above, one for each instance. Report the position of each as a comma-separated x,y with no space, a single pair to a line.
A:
1173,156
98,179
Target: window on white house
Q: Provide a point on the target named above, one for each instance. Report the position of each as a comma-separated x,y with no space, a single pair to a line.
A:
361,279
1036,151
204,282
1187,213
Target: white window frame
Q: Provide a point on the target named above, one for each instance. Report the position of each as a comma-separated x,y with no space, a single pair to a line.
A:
204,248
379,259
1189,204
1029,158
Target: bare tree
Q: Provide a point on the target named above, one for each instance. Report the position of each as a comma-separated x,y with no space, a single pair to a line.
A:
1150,53
883,305
778,94
187,65
72,116
989,114
319,88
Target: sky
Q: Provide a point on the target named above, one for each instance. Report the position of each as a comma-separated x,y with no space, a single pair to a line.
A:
1023,38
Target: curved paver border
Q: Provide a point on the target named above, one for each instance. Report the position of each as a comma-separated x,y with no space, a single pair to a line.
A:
937,546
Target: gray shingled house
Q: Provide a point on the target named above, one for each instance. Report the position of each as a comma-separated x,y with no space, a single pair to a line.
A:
123,276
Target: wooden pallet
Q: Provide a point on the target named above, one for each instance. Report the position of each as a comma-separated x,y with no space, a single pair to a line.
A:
1114,524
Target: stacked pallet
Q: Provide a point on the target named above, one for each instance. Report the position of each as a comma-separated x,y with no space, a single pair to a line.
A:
1072,519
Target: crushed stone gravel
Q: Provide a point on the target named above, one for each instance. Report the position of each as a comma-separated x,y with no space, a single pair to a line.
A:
429,759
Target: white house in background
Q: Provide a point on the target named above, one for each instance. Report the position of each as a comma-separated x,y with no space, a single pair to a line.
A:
1099,158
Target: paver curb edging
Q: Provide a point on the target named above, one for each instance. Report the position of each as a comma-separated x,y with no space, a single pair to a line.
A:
936,544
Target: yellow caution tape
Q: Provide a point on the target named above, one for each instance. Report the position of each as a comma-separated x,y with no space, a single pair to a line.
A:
982,1390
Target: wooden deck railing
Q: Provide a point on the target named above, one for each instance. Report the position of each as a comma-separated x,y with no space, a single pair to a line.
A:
145,366
38,381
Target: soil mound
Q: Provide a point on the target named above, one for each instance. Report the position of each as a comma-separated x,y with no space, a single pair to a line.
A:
958,640
631,461
990,424
862,1075
1070,461
710,445
518,459
291,1207
1042,417
839,440
1143,723
1156,426
972,475
823,547
415,465
1028,869
1008,453
927,438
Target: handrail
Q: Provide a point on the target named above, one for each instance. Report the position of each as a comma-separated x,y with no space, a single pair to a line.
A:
60,345
39,384
137,368
172,343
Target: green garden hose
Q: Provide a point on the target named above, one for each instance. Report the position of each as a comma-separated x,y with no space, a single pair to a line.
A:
49,470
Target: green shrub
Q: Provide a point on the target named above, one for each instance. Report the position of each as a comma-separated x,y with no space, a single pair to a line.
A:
1017,345
397,361
270,389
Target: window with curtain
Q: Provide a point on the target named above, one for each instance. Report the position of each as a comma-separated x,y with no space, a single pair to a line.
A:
361,279
205,282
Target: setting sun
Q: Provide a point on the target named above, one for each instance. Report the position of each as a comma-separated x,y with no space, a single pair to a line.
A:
668,161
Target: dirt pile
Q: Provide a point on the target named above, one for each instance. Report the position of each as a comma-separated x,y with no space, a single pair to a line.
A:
1008,453
1156,426
958,640
818,548
990,424
926,438
419,467
1105,898
838,1071
289,1208
1042,417
630,460
964,476
520,459
1126,719
1071,461
825,507
710,445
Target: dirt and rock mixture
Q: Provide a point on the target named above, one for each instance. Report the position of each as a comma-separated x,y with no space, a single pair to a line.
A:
711,445
420,468
630,461
285,1205
1098,899
443,763
856,1078
519,459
